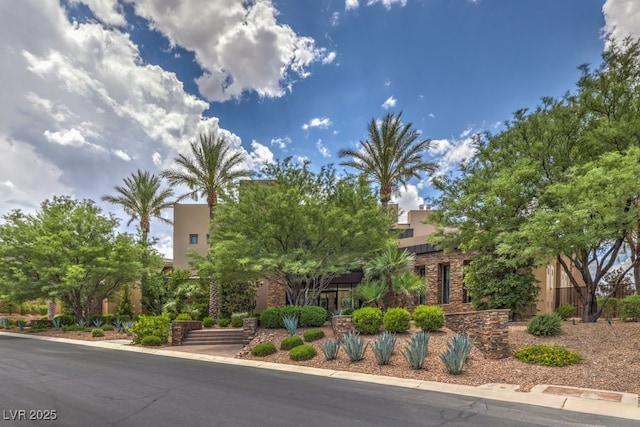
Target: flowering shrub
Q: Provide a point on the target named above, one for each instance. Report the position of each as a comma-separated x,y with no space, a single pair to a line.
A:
547,355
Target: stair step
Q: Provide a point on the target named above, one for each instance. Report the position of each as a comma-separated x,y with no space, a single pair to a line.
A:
214,337
191,341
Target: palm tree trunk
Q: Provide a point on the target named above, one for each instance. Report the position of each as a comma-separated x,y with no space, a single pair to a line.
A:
51,309
214,298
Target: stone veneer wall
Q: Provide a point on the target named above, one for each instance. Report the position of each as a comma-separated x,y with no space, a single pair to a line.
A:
432,262
276,296
341,325
489,327
249,327
179,329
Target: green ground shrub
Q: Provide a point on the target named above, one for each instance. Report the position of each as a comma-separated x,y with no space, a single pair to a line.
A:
151,325
545,324
566,311
611,308
312,334
183,316
66,319
396,320
547,355
264,349
290,342
270,318
97,333
312,316
303,352
151,341
236,319
107,328
367,320
428,317
630,308
223,323
208,322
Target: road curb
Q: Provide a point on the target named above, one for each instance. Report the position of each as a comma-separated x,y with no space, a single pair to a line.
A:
626,408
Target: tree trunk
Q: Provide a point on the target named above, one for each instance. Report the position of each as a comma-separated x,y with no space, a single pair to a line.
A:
590,307
214,301
51,309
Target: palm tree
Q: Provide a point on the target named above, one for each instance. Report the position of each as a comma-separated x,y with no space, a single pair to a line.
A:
141,198
392,155
391,271
211,169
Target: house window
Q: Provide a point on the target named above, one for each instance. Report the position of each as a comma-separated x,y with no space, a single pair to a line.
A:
445,283
465,294
193,239
421,296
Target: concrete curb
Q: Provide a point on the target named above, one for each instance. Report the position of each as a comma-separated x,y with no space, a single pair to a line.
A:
626,408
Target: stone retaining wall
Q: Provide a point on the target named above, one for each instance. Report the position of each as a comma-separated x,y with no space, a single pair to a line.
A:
179,329
488,327
249,327
341,325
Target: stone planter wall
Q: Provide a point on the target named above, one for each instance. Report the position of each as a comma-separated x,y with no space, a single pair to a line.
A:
179,329
341,325
489,327
249,327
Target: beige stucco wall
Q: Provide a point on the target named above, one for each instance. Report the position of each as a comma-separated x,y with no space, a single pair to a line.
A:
189,219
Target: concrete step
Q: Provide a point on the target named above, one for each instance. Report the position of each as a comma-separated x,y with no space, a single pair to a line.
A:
214,337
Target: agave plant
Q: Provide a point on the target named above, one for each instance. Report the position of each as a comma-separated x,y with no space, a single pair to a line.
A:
458,349
291,323
98,322
118,324
81,322
383,347
56,323
354,346
416,351
5,323
330,348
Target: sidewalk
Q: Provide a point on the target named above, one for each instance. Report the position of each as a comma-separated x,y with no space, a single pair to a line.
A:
600,402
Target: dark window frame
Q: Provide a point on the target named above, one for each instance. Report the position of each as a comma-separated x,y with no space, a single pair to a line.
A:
193,239
445,283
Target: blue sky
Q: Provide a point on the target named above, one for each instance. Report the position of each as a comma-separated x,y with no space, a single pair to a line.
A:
95,89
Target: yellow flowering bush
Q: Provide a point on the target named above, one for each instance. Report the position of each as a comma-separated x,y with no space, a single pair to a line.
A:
547,355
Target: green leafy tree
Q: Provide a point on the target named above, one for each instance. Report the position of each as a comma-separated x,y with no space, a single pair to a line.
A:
68,250
391,155
298,228
213,167
125,306
493,283
142,199
559,182
159,287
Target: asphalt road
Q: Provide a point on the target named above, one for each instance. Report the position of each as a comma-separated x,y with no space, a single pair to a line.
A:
96,387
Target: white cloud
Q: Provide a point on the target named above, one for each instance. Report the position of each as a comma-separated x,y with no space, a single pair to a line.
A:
387,83
260,156
317,122
329,58
335,19
281,142
465,133
407,199
272,55
156,158
108,11
351,4
622,18
431,115
449,154
322,149
387,3
389,103
121,154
